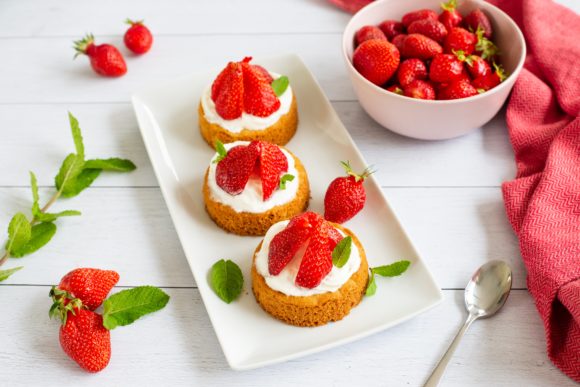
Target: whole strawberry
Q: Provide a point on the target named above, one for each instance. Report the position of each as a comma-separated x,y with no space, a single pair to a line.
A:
461,88
90,286
477,66
418,15
105,59
420,47
445,68
376,60
410,70
391,28
138,38
345,196
459,39
367,33
450,17
490,80
420,90
477,19
430,28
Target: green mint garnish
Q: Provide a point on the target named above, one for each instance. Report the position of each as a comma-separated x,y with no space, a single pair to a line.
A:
111,164
221,151
280,85
341,252
226,280
40,235
392,270
284,179
19,232
125,307
4,274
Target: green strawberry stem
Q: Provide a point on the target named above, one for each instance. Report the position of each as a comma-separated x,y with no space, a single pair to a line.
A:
132,23
449,6
82,45
357,176
62,303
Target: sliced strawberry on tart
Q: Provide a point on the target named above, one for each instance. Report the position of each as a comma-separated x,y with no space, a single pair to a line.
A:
246,102
251,185
308,271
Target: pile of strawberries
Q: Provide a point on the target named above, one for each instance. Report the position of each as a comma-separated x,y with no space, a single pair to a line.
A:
430,56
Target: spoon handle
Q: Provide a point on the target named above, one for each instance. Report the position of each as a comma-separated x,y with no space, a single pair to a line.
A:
439,370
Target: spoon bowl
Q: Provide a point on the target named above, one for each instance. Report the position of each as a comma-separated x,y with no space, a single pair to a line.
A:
488,289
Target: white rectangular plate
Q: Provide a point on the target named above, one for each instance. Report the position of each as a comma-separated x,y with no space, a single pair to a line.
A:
250,338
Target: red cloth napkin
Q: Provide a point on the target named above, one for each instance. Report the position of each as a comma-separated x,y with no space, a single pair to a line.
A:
543,202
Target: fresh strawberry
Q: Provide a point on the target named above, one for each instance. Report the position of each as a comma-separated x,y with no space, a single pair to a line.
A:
259,97
420,47
420,89
459,39
85,340
317,260
477,19
286,243
376,60
430,28
391,28
418,15
477,66
395,89
105,59
345,196
411,69
235,169
490,80
485,47
267,76
228,92
138,38
367,33
460,88
450,17
272,163
398,41
445,68
91,286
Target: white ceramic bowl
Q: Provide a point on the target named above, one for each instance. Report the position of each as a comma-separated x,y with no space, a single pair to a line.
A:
425,119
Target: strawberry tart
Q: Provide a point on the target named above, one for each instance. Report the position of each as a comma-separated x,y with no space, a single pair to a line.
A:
246,103
251,185
295,277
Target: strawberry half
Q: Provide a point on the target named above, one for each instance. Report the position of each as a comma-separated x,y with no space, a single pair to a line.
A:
228,92
285,245
259,97
90,286
234,171
272,163
317,260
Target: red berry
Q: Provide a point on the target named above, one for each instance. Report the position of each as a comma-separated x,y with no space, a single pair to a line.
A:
420,89
105,59
450,17
398,41
490,80
259,97
459,39
395,89
138,38
345,196
317,260
477,66
391,28
228,92
430,28
411,69
460,88
367,33
234,171
477,19
445,68
271,164
286,243
418,15
376,60
91,286
420,46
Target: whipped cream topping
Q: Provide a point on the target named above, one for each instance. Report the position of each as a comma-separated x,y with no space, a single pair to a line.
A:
285,282
246,121
251,198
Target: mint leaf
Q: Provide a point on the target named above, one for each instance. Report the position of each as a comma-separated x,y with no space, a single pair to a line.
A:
4,274
79,183
77,136
51,217
19,231
226,280
371,286
111,164
35,197
280,85
221,151
125,307
284,179
71,167
341,252
392,270
40,235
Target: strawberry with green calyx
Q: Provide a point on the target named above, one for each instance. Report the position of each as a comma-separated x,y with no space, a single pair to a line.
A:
485,47
138,38
345,196
105,59
376,60
450,17
90,286
476,65
446,67
490,80
476,19
459,39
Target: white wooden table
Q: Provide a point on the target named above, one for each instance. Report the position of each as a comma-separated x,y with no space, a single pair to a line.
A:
447,195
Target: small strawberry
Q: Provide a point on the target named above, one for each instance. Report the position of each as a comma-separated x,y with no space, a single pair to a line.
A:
411,69
345,196
490,80
367,33
235,169
259,97
376,60
450,17
430,28
476,65
138,38
420,47
477,19
445,68
271,164
459,39
418,15
420,89
90,286
105,59
398,41
460,88
317,260
485,47
395,89
392,28
228,92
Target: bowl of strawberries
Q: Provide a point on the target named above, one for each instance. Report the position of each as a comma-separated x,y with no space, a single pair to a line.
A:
432,71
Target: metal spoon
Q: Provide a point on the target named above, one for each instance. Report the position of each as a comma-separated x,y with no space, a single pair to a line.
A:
485,294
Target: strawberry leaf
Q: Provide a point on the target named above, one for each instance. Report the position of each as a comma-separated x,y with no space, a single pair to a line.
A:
341,252
284,179
125,307
19,232
226,280
4,274
40,235
279,85
111,164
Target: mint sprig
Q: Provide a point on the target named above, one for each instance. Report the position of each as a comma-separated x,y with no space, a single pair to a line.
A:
393,270
279,85
226,280
125,307
285,179
341,252
75,174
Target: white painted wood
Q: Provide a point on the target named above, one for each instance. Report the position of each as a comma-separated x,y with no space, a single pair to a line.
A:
129,230
177,346
483,158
